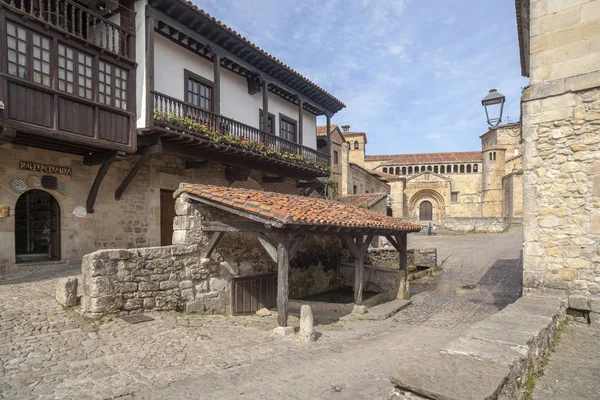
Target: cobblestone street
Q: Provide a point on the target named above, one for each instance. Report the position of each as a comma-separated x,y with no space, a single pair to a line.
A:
47,352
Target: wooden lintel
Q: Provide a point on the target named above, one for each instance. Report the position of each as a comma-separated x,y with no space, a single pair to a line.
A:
212,244
295,246
91,200
266,243
273,179
235,226
7,135
103,158
195,164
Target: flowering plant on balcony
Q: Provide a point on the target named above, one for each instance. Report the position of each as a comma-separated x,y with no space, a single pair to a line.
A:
223,136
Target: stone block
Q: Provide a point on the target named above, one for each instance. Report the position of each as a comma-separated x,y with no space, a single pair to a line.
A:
66,292
218,285
595,224
129,287
187,295
307,325
186,284
595,319
149,303
595,304
579,302
133,304
105,304
284,330
216,305
147,286
202,287
263,312
195,306
359,309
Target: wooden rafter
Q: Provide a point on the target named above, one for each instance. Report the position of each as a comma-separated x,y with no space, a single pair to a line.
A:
268,245
103,158
145,155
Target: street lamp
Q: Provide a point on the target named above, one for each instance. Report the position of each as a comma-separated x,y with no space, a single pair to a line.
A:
492,100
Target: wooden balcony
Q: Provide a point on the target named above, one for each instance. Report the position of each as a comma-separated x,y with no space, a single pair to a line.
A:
79,23
203,134
67,79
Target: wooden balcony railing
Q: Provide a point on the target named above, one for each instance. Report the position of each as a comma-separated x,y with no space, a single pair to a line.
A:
173,111
73,19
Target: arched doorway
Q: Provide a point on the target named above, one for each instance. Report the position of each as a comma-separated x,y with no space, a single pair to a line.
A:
37,227
425,211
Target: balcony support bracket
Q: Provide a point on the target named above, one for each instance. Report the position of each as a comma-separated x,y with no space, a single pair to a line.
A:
91,200
102,158
7,135
145,155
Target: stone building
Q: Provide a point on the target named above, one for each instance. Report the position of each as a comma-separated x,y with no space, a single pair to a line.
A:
95,135
560,53
336,150
478,190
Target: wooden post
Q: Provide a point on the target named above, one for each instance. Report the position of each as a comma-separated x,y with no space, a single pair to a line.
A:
328,134
403,289
149,70
217,84
300,104
359,272
265,94
283,265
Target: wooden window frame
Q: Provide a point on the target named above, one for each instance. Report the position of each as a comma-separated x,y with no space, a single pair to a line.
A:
187,75
29,61
271,118
284,118
335,157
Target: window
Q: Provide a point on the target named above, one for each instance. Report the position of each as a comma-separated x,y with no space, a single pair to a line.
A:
454,197
287,128
75,72
354,189
468,168
410,170
41,59
435,169
475,167
17,50
335,157
397,170
385,170
403,170
490,156
455,169
494,156
462,169
448,168
356,145
112,85
422,168
429,168
199,91
270,126
442,169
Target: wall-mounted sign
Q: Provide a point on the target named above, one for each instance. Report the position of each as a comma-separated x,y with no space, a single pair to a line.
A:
4,211
47,169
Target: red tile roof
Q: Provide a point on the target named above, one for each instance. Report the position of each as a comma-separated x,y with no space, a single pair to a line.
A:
261,51
365,200
464,156
284,209
322,129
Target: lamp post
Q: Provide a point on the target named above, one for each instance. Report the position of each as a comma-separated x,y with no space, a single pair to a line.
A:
491,103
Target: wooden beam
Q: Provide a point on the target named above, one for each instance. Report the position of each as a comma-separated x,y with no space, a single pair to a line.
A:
273,179
241,226
145,153
283,267
300,119
351,245
359,274
7,135
265,107
269,247
212,244
217,84
103,158
328,127
89,204
149,68
403,288
295,246
236,174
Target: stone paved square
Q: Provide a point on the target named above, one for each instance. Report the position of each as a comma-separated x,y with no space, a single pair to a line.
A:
48,352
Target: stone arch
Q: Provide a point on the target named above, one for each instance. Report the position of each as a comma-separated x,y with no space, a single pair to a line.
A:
430,195
397,170
385,170
356,145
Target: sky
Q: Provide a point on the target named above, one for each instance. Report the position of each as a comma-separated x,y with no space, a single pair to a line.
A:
412,73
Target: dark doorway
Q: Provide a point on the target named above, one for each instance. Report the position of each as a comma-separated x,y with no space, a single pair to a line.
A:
37,227
167,214
251,293
425,211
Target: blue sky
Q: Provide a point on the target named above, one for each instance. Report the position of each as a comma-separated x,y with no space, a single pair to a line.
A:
411,72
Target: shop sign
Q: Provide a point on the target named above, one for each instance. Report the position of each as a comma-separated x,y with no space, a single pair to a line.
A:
46,169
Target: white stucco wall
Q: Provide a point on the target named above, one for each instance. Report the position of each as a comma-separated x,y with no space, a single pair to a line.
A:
140,58
170,61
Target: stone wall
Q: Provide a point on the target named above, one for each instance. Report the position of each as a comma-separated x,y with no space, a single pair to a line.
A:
132,222
376,279
389,258
481,224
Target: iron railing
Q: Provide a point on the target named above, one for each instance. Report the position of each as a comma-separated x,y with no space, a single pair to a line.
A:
76,20
170,108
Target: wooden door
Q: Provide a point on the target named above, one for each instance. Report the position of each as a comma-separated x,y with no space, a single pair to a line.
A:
167,214
425,211
251,293
55,231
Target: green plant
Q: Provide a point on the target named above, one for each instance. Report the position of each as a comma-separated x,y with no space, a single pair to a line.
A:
224,137
332,194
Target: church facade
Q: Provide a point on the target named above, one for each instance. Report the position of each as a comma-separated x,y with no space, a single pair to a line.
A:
453,188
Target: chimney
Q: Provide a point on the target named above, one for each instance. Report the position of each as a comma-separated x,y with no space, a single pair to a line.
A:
345,128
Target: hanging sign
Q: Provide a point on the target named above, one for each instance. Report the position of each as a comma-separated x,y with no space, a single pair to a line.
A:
47,169
4,211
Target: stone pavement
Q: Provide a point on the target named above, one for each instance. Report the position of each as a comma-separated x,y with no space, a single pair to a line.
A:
47,352
573,370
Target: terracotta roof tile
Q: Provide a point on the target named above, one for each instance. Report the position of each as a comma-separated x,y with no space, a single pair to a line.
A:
259,50
322,129
364,200
463,156
288,209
